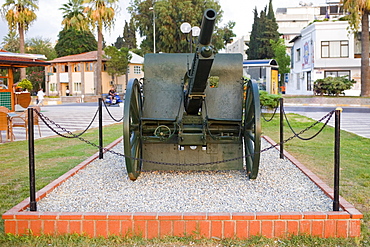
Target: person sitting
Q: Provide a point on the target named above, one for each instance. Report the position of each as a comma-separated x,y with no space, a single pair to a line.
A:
111,94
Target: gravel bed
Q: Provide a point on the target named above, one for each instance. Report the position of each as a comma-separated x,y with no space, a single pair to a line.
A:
103,187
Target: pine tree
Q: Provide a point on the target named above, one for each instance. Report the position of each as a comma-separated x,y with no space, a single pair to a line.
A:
264,30
119,42
252,51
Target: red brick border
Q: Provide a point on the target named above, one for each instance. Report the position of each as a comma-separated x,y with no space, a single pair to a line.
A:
344,223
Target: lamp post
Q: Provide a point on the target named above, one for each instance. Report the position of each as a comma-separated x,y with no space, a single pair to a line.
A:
152,8
186,28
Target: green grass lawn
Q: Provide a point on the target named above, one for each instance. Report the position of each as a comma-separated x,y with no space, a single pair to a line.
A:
56,155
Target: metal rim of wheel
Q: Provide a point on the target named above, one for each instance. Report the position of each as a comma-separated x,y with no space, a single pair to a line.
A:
252,130
132,129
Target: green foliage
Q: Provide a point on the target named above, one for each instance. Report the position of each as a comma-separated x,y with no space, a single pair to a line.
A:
264,30
37,77
118,60
72,41
269,100
168,17
39,45
129,35
332,85
280,55
11,42
25,84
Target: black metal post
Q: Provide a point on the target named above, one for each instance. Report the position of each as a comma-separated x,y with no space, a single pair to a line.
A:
31,160
100,128
336,159
281,102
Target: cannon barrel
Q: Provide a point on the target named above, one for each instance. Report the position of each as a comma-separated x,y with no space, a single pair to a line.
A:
206,29
203,59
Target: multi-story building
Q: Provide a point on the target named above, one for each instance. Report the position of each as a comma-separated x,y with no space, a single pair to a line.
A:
321,50
77,73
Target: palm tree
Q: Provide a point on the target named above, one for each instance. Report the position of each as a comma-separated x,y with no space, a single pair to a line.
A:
100,13
359,12
20,14
74,16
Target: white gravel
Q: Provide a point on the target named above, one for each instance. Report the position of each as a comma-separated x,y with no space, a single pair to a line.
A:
103,186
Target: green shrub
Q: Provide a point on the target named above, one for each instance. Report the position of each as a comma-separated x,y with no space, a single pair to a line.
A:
25,84
269,100
332,85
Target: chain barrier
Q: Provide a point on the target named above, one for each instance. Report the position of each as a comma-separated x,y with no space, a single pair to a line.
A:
109,113
329,115
273,115
45,119
72,135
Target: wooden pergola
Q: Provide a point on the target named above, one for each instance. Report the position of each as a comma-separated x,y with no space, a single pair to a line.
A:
8,63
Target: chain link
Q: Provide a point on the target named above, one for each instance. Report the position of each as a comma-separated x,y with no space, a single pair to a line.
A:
109,113
273,115
44,119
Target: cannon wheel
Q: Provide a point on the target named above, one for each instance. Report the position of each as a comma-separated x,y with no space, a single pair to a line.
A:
252,129
132,129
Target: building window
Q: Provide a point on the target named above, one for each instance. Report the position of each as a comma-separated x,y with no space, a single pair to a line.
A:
298,55
308,81
76,67
89,66
334,49
63,68
104,67
128,69
77,86
53,87
338,73
119,88
137,69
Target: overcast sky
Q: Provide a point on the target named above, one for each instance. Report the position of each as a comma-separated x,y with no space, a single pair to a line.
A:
49,17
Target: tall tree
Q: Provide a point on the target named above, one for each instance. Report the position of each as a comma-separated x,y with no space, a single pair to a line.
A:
252,51
359,13
169,15
119,42
42,46
11,42
118,60
129,35
20,14
101,13
74,16
72,41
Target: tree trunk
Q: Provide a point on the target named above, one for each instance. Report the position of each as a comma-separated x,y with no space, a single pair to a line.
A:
21,49
98,86
365,83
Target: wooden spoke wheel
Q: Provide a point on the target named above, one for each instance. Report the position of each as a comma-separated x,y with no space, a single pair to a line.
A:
132,129
252,130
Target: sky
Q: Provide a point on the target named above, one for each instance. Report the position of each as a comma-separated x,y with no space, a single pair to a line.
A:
49,17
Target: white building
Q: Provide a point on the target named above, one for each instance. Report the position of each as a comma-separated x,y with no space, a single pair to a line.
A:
324,49
291,20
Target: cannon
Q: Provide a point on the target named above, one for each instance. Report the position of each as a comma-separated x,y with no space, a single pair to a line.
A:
185,117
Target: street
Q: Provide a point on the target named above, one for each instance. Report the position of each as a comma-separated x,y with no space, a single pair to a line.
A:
77,117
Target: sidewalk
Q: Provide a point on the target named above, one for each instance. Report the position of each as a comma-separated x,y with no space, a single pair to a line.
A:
327,101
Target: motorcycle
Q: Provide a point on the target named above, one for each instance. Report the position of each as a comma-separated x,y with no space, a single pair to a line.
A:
115,100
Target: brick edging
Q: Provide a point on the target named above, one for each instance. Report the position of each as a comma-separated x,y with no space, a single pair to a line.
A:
345,223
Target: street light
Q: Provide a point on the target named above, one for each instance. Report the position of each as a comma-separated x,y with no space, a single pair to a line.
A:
152,8
186,28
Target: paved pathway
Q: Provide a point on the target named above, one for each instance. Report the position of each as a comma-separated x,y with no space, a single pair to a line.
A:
71,117
355,120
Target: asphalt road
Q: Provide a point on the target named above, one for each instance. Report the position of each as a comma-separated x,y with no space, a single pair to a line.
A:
77,116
